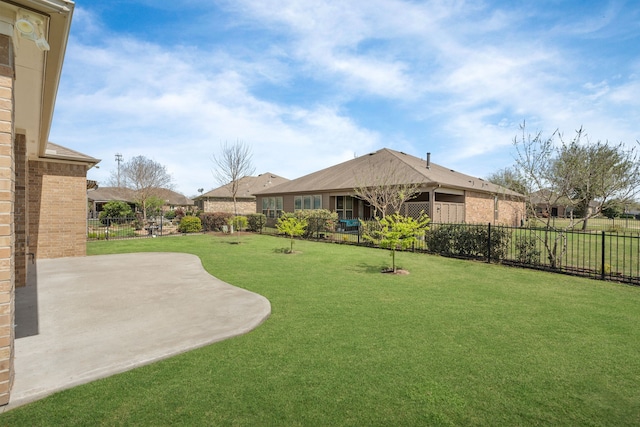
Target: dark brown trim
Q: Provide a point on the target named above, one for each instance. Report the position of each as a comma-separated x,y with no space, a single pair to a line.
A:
7,64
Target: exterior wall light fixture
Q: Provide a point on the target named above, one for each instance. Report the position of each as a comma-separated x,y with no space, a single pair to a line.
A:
31,30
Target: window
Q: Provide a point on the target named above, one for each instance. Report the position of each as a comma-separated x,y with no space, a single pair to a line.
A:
344,207
272,207
307,202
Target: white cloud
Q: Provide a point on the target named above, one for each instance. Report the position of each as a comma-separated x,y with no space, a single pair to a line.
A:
140,99
465,73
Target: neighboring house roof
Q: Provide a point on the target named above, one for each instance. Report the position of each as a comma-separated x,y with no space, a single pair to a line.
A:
173,198
248,186
107,194
364,171
544,196
58,152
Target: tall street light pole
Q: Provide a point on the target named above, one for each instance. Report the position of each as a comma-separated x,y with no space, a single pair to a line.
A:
119,159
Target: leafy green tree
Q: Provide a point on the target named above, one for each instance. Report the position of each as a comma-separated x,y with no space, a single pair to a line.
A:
508,178
292,226
153,206
115,209
613,210
599,173
397,231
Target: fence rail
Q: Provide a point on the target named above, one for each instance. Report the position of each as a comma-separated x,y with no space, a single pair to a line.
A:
128,228
606,255
596,254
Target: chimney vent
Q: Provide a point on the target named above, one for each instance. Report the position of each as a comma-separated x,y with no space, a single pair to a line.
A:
428,160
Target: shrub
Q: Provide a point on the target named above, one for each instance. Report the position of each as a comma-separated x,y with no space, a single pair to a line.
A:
179,214
239,222
318,221
115,210
190,224
468,241
96,235
526,250
170,215
214,221
256,222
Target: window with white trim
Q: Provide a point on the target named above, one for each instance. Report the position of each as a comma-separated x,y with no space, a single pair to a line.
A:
272,207
307,202
344,207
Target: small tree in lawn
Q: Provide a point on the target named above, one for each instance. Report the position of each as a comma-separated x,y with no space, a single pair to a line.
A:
396,231
291,226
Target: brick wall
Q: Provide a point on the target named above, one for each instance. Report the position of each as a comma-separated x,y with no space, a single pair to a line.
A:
510,212
57,209
7,202
479,208
226,205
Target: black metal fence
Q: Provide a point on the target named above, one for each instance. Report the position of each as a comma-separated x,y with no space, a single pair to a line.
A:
128,228
606,255
596,254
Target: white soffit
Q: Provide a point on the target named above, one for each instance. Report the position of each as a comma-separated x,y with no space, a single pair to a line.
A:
450,191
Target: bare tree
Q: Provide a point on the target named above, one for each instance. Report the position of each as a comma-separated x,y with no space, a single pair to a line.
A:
232,164
573,174
146,178
383,187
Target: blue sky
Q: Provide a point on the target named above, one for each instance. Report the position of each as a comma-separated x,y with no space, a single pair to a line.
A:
308,84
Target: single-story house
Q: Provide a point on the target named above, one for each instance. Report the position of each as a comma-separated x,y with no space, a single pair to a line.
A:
547,204
100,196
43,186
447,196
221,199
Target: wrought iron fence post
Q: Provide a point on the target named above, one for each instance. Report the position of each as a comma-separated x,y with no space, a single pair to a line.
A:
602,269
489,242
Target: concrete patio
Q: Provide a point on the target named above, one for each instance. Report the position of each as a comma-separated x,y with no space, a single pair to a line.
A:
80,319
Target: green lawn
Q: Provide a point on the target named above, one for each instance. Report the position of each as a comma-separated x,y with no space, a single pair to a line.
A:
453,343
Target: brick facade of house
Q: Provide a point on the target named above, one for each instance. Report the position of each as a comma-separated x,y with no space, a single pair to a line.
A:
226,205
57,209
479,207
482,206
7,212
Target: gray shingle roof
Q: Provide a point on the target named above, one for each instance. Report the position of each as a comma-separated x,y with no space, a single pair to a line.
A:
107,194
55,151
365,171
249,185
